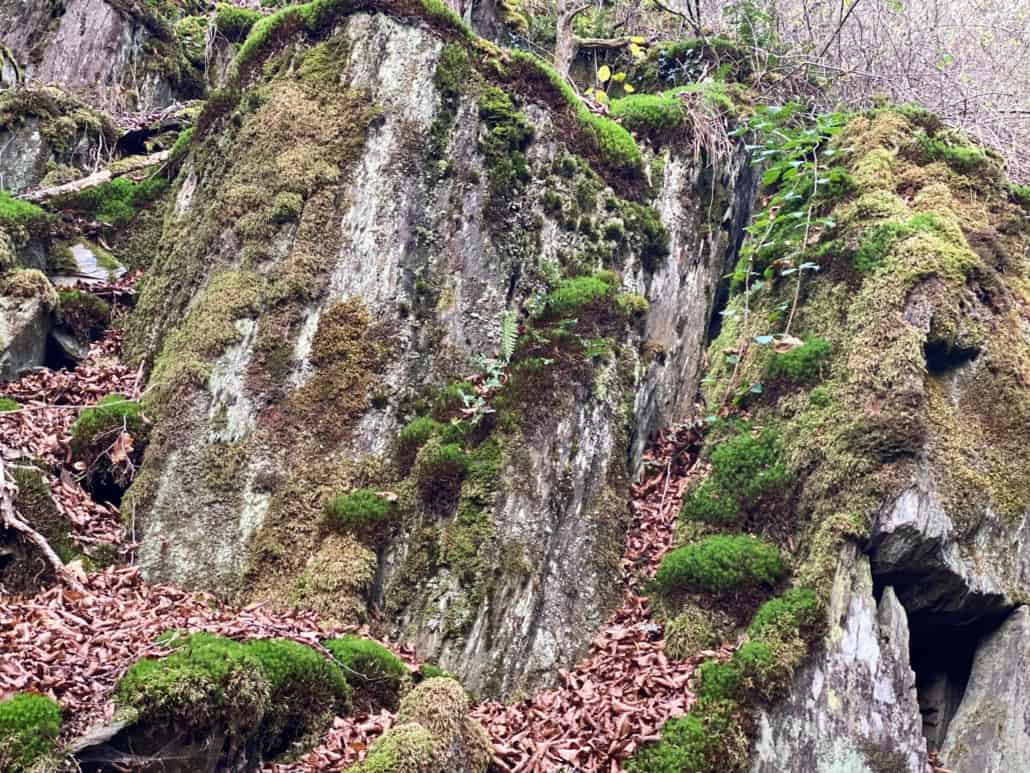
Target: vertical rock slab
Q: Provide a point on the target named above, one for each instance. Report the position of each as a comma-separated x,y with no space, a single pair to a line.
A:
990,733
24,325
114,56
853,708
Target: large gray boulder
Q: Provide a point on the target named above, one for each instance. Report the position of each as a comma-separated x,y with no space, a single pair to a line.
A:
424,250
852,708
24,326
990,732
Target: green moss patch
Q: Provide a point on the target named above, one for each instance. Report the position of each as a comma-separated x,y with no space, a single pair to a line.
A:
362,511
206,682
273,694
306,691
377,676
721,564
747,469
29,724
117,202
97,429
803,364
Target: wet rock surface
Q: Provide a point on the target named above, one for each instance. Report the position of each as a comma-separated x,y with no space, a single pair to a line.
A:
853,709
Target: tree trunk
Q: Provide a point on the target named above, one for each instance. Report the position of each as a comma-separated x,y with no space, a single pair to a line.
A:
565,42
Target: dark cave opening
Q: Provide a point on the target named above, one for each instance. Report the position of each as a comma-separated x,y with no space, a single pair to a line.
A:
942,647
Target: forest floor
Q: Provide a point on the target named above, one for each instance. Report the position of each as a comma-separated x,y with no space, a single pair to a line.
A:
74,643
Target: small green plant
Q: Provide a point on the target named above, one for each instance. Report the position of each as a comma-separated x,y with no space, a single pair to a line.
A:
707,739
574,295
29,724
798,610
360,510
7,405
720,564
377,675
234,22
802,364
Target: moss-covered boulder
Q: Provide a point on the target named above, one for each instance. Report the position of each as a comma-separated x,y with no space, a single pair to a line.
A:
377,676
433,732
107,442
214,702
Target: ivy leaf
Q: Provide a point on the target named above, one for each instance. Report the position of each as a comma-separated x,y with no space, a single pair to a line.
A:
756,389
604,72
763,340
732,359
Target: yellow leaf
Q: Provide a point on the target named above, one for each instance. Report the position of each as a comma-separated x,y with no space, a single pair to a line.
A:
637,40
619,77
628,88
604,72
601,97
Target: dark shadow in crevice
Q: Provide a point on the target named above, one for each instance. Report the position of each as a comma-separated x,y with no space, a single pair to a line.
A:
942,358
941,652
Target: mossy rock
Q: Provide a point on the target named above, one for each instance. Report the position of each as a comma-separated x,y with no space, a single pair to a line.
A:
708,738
306,690
29,283
263,699
84,314
439,471
207,687
433,732
93,434
376,675
29,725
336,579
721,564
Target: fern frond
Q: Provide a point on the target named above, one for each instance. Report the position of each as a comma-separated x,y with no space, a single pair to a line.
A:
509,336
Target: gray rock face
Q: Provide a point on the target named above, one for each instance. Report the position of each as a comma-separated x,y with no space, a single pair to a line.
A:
23,156
560,509
915,547
92,50
853,708
990,732
24,326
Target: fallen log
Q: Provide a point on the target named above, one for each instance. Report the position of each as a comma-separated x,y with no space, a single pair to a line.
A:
118,169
